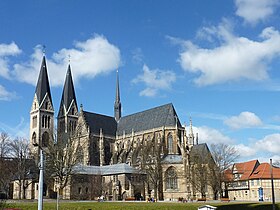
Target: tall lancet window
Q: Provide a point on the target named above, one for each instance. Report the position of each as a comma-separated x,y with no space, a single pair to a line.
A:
171,178
170,143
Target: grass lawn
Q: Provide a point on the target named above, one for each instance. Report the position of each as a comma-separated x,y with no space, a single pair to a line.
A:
138,206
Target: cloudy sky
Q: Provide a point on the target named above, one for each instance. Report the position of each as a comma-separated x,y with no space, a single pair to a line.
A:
216,61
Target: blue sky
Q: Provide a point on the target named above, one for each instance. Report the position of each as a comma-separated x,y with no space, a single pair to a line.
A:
216,61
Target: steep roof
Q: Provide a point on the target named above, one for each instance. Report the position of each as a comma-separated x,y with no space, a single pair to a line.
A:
43,86
263,172
201,151
245,168
97,121
68,94
152,118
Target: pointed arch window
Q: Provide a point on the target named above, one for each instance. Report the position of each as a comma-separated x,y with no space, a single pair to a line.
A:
80,154
45,139
171,178
49,120
34,140
43,121
34,122
170,143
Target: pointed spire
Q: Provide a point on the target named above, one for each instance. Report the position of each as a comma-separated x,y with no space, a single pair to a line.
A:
43,86
191,128
68,94
117,107
117,88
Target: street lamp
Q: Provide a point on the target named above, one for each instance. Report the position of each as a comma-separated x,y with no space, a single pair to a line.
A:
272,185
41,176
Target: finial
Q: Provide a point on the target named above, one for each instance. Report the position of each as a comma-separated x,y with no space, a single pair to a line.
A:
44,50
81,107
191,128
69,58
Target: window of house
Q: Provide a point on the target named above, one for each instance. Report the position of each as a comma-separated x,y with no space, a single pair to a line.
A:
252,182
171,178
80,190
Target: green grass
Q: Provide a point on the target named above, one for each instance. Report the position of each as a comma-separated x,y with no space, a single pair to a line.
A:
138,206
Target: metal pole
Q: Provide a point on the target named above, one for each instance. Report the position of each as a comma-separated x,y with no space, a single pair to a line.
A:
272,185
41,181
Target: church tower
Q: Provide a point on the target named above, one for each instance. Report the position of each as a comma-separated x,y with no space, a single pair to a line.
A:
68,111
42,112
117,106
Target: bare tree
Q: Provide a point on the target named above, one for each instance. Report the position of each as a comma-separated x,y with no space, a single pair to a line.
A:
224,156
6,166
60,161
24,165
151,164
4,144
200,173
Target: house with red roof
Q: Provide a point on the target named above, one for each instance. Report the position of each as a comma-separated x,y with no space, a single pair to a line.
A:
251,181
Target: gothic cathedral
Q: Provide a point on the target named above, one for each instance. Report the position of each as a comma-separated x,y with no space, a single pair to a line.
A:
146,154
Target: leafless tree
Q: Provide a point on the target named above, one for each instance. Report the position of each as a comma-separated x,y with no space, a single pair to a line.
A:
4,144
24,165
151,164
6,166
200,173
61,158
224,156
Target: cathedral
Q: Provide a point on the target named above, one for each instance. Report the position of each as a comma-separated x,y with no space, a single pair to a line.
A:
148,154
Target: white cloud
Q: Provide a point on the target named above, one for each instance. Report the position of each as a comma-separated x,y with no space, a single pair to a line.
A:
88,59
210,135
270,143
137,55
254,11
7,50
233,58
245,151
243,120
6,95
155,80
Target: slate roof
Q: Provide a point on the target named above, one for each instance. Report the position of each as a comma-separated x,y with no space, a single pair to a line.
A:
121,168
43,85
202,151
68,94
98,121
152,118
172,159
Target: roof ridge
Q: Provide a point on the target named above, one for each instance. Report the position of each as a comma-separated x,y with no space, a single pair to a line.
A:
98,114
148,109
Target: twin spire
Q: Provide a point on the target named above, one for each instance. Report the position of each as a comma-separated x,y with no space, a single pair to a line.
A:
68,95
43,86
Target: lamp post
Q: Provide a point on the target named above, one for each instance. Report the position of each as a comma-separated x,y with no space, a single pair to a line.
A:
272,185
41,180
41,176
